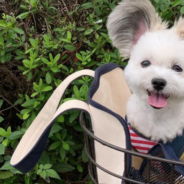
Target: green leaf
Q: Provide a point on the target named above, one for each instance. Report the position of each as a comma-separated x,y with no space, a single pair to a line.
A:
69,36
48,78
76,91
5,58
1,103
27,179
1,119
78,128
80,29
182,2
175,3
54,145
58,135
29,102
45,159
55,69
33,3
18,30
6,166
2,149
46,61
56,58
63,167
78,147
73,116
89,31
29,76
34,94
52,173
65,145
47,88
72,152
5,142
107,57
64,133
33,42
47,166
26,63
156,1
23,15
79,168
79,56
84,156
8,131
182,10
47,39
87,5
7,157
70,143
1,159
1,40
1,139
51,57
25,115
43,174
5,175
55,128
98,10
65,40
65,68
15,135
60,119
39,171
62,153
70,47
3,132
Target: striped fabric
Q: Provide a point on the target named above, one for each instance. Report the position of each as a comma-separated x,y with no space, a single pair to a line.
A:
139,143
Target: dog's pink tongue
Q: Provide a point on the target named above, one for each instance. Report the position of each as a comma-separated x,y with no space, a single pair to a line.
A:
157,100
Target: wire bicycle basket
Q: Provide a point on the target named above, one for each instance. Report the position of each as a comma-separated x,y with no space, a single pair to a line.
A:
157,169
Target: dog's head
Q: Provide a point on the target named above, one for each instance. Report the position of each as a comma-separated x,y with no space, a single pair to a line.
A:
155,70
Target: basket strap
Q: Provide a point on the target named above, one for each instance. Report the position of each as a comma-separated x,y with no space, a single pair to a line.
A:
47,112
71,105
29,147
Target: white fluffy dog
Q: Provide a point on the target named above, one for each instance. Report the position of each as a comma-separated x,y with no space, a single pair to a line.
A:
154,72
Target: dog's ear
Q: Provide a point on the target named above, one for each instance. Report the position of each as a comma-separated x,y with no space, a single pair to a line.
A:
179,27
129,21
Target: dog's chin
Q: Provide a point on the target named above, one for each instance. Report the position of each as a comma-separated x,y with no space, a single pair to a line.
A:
157,99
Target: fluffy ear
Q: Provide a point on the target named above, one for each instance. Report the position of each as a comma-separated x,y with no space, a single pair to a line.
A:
129,21
179,28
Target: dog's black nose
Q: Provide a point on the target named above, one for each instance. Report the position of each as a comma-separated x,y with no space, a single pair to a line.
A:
159,84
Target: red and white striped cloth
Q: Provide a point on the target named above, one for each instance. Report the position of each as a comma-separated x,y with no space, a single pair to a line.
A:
139,143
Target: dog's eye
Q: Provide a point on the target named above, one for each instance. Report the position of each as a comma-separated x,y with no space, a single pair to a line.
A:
177,68
145,63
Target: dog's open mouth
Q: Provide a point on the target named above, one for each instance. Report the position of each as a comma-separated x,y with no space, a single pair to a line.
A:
157,100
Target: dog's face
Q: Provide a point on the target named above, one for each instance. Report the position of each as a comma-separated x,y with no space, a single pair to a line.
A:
155,70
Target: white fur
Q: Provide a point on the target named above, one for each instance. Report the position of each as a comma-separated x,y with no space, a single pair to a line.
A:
163,48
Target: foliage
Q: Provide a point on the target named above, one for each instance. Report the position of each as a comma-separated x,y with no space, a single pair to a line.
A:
41,43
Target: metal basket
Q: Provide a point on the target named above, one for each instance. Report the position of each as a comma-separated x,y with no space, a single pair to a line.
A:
155,166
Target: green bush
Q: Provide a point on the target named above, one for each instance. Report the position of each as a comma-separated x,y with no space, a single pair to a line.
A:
41,43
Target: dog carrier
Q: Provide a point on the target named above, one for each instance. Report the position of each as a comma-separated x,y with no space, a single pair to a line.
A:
108,145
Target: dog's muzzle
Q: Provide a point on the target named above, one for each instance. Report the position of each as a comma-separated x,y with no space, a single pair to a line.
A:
158,84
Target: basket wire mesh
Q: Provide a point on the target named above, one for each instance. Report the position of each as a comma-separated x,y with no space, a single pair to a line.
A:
157,170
